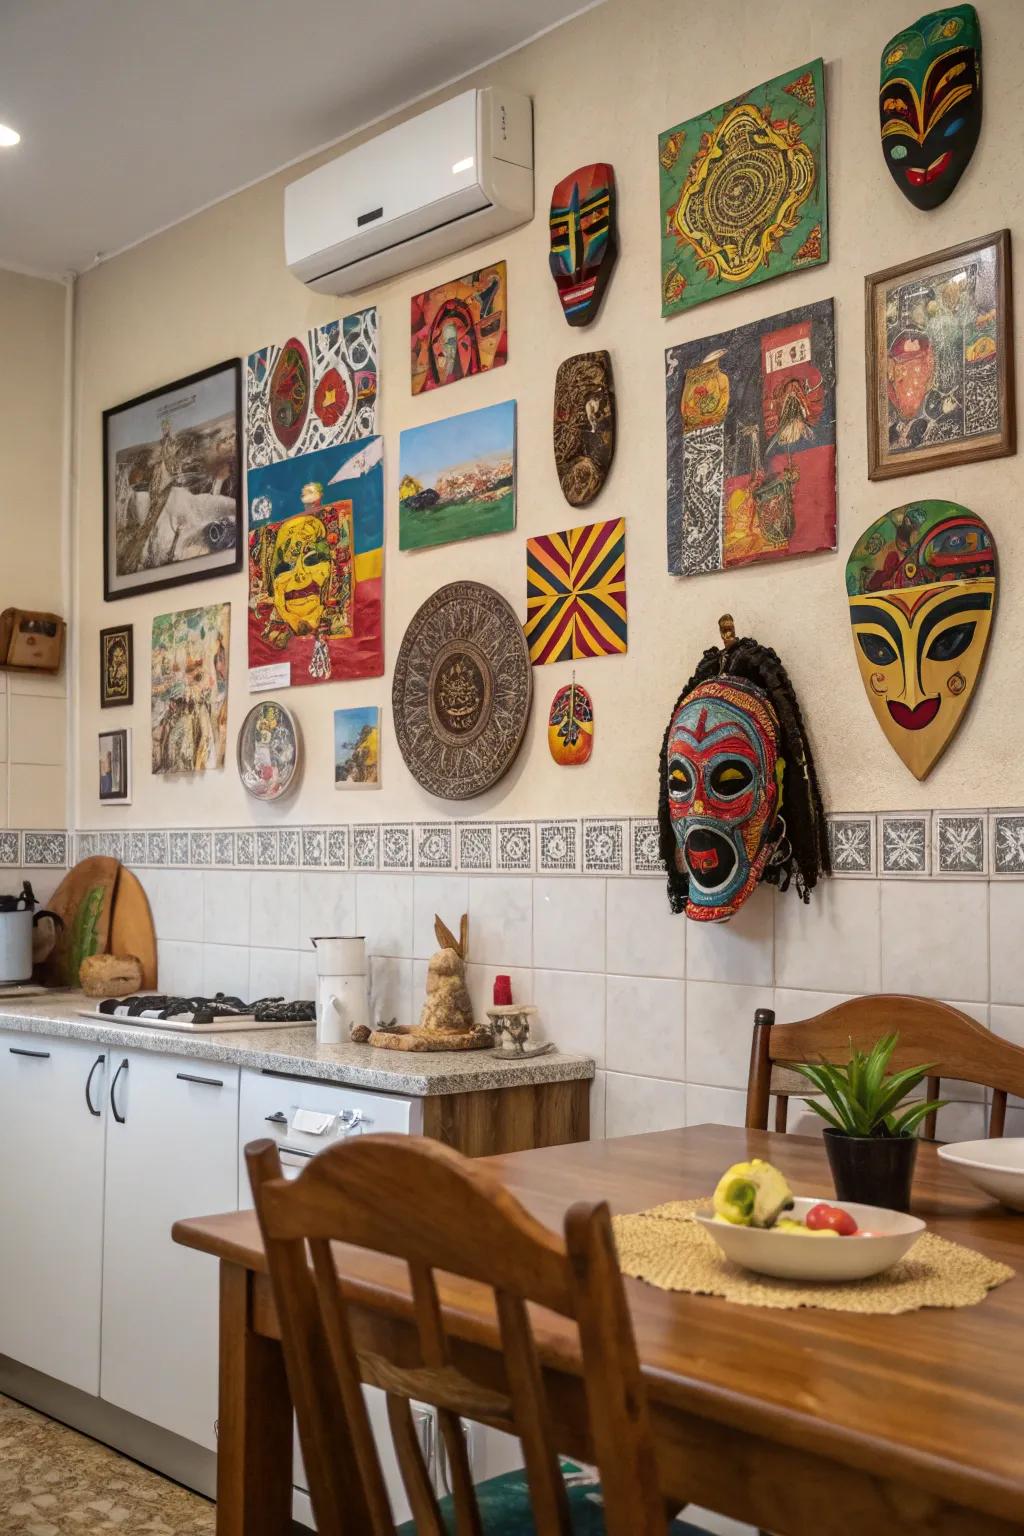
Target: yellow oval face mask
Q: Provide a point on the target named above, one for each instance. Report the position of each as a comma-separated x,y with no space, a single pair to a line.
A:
921,583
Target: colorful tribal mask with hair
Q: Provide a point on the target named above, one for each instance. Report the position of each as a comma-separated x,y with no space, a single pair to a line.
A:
583,240
724,793
930,103
922,587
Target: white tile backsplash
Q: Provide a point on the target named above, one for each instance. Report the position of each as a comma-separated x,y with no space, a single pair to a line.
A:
226,906
273,973
831,944
274,912
1006,926
715,1106
644,937
443,896
571,1011
568,923
327,906
501,921
740,950
384,913
646,1026
719,1025
634,1105
934,946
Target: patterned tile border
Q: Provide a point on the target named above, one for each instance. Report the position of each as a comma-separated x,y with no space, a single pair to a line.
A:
887,845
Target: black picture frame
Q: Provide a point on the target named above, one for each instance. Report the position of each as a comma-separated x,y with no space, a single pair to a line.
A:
108,637
220,559
119,790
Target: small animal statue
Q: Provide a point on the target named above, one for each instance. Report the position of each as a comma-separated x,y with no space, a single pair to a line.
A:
446,1023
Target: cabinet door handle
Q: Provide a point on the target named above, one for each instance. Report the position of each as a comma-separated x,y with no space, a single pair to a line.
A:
90,1106
16,1050
113,1102
208,1082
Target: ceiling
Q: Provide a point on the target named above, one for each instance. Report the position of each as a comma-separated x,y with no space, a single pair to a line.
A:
133,114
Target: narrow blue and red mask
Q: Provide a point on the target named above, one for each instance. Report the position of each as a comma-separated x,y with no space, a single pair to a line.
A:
724,777
583,240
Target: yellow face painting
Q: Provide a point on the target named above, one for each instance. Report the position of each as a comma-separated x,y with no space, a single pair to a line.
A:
300,571
921,584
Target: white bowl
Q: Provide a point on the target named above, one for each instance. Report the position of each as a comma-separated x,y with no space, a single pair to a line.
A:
794,1256
996,1166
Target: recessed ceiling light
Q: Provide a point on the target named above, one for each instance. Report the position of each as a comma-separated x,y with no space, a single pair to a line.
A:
8,137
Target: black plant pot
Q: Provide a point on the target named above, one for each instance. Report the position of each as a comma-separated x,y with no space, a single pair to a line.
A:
872,1170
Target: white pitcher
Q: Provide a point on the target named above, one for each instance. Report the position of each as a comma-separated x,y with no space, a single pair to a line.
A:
342,994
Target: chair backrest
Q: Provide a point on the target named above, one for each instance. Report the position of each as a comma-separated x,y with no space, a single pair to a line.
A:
928,1032
423,1203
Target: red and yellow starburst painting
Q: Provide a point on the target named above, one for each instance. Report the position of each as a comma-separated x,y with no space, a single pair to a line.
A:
576,593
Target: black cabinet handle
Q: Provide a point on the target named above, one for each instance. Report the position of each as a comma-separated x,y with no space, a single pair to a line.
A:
113,1102
88,1084
208,1082
16,1050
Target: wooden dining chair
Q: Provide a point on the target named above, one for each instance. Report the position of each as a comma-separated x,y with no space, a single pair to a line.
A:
424,1203
928,1032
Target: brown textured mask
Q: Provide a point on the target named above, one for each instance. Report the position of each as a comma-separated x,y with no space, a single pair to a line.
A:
584,425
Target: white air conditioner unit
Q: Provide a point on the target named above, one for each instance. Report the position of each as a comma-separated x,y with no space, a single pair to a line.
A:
444,180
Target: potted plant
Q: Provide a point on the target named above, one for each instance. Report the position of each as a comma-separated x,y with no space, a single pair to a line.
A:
871,1141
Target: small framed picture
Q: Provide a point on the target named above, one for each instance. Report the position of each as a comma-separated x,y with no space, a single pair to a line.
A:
940,377
117,666
172,484
357,748
115,767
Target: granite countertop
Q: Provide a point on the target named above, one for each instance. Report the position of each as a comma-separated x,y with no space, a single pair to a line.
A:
295,1052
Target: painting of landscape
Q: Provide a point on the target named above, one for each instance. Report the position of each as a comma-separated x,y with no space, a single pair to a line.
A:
457,477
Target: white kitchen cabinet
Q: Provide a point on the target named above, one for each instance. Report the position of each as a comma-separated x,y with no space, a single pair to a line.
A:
172,1151
51,1204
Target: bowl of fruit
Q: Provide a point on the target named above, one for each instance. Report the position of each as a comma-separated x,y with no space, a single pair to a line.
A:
759,1223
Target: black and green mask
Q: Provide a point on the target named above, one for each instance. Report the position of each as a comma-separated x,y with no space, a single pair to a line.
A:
930,103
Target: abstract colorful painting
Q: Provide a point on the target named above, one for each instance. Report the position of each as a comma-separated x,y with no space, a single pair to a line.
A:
357,748
190,689
457,477
940,360
744,192
921,582
576,593
316,566
314,391
460,328
751,431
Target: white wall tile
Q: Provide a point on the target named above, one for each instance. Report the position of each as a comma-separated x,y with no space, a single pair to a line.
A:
646,1027
38,729
226,906
715,1106
644,937
36,796
719,1026
307,975
598,1096
391,993
327,906
740,950
792,1006
179,967
225,969
275,910
384,913
634,1105
176,901
832,943
501,921
1008,1022
934,938
568,924
961,1122
273,973
1006,920
4,819
444,896
571,1011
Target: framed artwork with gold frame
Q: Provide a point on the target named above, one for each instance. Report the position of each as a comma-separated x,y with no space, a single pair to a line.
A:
940,376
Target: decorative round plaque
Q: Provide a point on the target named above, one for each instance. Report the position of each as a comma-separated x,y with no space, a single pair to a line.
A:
462,690
269,751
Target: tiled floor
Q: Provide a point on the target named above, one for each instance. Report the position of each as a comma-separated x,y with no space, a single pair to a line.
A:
55,1482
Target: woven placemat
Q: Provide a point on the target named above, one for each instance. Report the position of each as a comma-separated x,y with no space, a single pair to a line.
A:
667,1248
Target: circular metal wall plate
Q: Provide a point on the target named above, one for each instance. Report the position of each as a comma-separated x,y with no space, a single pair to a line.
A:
269,752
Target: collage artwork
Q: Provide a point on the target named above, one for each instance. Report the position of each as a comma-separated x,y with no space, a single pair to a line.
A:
190,689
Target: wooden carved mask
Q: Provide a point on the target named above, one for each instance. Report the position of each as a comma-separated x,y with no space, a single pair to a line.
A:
930,103
583,240
922,587
584,425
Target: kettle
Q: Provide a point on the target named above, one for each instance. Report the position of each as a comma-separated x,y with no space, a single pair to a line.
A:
18,916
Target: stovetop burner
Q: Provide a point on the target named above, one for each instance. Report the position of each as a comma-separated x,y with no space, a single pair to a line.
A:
206,1010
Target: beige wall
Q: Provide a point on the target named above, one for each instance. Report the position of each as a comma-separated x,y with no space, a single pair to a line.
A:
603,87
32,709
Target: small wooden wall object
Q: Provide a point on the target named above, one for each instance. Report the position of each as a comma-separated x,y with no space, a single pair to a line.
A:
31,642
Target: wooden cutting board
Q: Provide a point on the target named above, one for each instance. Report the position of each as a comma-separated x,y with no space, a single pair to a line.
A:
131,927
84,899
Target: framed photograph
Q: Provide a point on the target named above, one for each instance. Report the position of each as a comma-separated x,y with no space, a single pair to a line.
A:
117,666
172,484
940,379
115,756
357,748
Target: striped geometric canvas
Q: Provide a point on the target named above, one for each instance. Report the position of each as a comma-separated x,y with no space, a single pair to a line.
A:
576,593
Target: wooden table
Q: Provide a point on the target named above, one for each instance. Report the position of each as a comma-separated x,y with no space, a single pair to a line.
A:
808,1423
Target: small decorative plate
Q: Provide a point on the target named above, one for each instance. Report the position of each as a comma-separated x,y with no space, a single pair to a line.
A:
462,690
269,751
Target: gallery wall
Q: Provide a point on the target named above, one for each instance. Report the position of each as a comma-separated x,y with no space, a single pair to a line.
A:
33,573
603,87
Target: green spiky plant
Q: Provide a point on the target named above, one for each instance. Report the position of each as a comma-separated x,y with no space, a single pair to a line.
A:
864,1097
